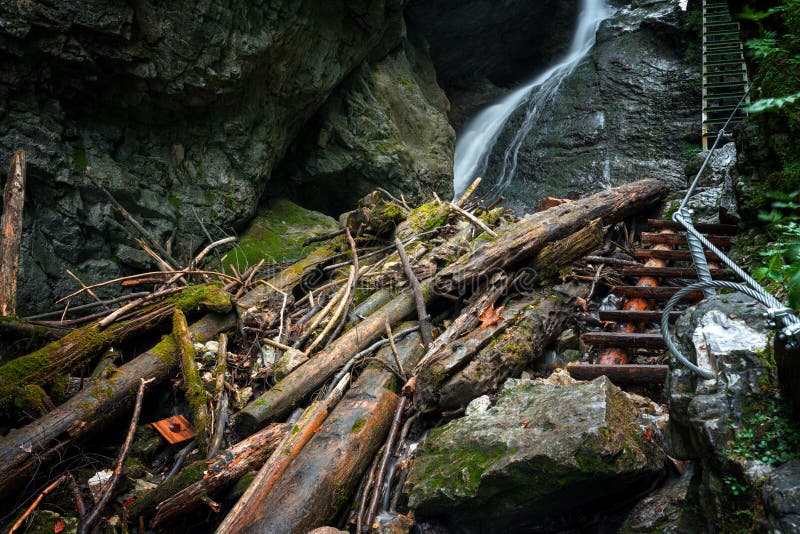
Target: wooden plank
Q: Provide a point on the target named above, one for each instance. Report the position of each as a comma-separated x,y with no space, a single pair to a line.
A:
669,255
622,339
622,374
175,429
717,229
658,293
632,316
721,241
671,272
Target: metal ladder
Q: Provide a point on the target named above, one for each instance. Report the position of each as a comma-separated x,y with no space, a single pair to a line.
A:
725,79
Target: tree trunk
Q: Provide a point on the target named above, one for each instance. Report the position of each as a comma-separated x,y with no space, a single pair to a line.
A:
530,235
23,449
59,357
11,227
320,481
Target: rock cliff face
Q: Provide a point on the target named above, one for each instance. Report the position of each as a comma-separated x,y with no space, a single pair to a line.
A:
481,46
630,110
385,126
170,106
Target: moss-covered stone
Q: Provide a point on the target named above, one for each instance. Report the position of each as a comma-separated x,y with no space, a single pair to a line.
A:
277,234
541,441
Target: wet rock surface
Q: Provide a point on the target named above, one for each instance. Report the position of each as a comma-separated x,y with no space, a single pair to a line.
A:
544,454
481,46
169,106
630,109
733,427
385,126
714,199
661,511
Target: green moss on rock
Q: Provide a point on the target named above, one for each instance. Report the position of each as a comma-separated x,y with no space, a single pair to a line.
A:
277,234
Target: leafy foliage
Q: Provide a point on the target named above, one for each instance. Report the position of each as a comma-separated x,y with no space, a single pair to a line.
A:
768,435
781,259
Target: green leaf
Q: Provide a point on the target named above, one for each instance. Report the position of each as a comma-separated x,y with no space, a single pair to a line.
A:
767,104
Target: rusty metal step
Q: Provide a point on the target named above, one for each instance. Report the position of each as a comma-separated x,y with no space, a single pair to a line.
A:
630,316
670,272
721,241
669,255
624,339
716,229
622,374
658,293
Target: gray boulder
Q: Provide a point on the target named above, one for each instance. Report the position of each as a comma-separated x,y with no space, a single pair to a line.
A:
738,432
544,453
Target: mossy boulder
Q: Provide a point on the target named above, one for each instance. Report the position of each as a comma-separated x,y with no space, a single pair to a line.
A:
277,234
549,451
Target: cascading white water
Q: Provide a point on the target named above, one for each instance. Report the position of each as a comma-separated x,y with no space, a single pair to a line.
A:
478,139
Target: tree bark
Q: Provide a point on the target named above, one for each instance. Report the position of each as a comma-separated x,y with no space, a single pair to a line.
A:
530,235
312,374
59,357
23,449
11,227
320,481
537,325
185,491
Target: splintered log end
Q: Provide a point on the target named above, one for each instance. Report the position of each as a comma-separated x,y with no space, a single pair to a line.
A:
11,228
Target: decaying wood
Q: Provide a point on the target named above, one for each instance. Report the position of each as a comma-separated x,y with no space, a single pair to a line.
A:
11,228
425,326
196,393
537,324
12,328
287,393
220,397
108,488
184,492
59,357
321,480
240,518
525,239
23,449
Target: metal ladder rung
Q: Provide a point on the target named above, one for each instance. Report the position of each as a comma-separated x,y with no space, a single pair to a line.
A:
721,96
736,61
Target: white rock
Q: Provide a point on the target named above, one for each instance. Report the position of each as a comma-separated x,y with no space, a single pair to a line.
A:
479,405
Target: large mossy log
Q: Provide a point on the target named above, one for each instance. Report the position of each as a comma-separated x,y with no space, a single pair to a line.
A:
321,480
23,449
59,357
537,325
526,238
312,374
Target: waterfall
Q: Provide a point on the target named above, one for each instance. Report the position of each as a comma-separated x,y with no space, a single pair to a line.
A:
478,139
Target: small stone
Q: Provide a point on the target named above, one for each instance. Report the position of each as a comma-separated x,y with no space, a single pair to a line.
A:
479,405
291,360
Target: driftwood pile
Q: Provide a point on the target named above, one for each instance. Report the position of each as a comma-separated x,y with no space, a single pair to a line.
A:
320,371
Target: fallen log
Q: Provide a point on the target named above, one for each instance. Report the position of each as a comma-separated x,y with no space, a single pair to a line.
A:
321,480
531,234
185,491
301,382
11,228
288,449
196,393
538,324
23,449
59,357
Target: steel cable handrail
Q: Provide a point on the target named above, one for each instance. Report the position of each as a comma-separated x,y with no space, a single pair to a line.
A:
783,317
